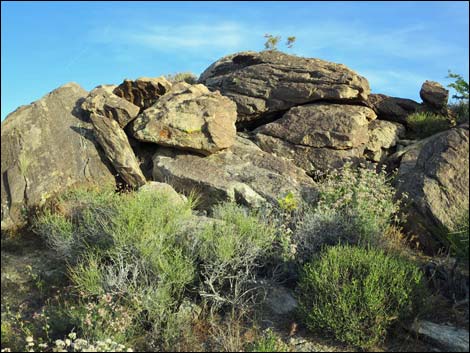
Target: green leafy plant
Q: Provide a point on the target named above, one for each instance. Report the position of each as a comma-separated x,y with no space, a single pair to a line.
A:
356,294
459,85
289,202
269,342
459,109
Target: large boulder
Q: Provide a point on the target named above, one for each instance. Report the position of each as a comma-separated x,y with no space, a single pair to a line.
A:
434,95
318,137
392,108
102,102
189,117
271,81
242,173
48,146
383,136
435,176
143,92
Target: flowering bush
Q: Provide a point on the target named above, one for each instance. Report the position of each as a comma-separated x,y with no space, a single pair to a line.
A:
354,206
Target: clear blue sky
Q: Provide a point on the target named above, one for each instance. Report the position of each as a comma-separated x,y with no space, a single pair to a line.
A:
396,45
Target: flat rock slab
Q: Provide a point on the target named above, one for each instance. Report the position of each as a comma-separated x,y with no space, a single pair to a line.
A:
315,161
392,108
322,125
449,337
242,173
271,81
318,137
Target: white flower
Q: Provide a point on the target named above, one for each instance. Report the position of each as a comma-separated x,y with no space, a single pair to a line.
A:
72,335
29,339
59,343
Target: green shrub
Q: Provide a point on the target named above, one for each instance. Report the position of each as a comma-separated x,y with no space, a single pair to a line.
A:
460,86
356,294
460,111
424,124
269,342
458,239
127,246
230,252
187,77
354,206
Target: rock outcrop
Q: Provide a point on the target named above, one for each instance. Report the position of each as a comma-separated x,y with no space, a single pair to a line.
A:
101,101
383,136
392,108
435,176
243,173
434,95
319,136
189,117
48,146
271,81
143,92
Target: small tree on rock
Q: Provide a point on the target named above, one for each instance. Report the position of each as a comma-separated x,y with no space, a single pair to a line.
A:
272,41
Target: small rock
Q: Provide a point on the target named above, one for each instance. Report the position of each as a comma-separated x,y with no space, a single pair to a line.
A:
449,337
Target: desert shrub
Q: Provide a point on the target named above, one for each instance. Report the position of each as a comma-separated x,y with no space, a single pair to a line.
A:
424,124
135,264
460,111
187,77
354,206
458,238
230,252
356,293
269,342
124,246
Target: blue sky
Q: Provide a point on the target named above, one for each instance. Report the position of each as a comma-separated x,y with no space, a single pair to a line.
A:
395,45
